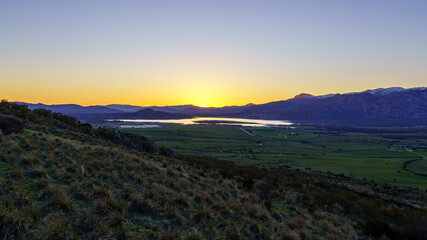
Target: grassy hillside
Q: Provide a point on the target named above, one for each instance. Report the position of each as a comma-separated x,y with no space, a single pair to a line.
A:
60,179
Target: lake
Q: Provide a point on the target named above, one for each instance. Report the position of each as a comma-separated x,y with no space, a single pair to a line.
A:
206,121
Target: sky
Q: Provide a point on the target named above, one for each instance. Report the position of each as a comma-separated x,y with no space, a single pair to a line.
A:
207,53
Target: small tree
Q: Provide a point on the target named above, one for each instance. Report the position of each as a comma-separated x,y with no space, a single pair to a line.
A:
9,124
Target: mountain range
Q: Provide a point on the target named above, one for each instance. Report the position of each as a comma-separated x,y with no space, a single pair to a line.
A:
383,105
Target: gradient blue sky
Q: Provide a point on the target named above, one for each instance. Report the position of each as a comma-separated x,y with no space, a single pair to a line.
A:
210,53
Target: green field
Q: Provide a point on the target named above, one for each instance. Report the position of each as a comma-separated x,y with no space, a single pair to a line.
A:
419,166
355,154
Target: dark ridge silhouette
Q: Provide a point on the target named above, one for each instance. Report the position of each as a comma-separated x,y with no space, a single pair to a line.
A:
372,107
141,114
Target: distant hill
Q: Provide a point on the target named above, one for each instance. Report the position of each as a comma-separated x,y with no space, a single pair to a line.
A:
72,108
394,105
125,108
141,114
273,110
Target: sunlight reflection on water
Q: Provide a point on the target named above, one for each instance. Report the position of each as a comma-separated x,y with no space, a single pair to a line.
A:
211,121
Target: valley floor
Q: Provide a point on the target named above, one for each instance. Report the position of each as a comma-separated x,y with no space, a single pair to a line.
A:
378,154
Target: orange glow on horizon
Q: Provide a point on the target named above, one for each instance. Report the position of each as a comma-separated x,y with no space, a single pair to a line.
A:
183,80
206,53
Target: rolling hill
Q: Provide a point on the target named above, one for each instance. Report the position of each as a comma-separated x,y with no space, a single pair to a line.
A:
141,114
71,109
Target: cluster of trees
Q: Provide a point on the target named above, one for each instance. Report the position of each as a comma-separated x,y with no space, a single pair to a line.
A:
37,115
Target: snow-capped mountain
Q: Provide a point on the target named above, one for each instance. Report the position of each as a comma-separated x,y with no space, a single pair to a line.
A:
386,91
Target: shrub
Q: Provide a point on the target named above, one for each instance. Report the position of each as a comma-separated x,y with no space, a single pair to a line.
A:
29,159
43,112
33,212
376,228
16,171
55,227
85,223
9,124
248,183
232,232
288,236
85,127
6,201
4,105
58,197
117,220
77,192
194,236
101,191
202,214
264,191
140,205
107,205
126,191
11,225
166,152
38,172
